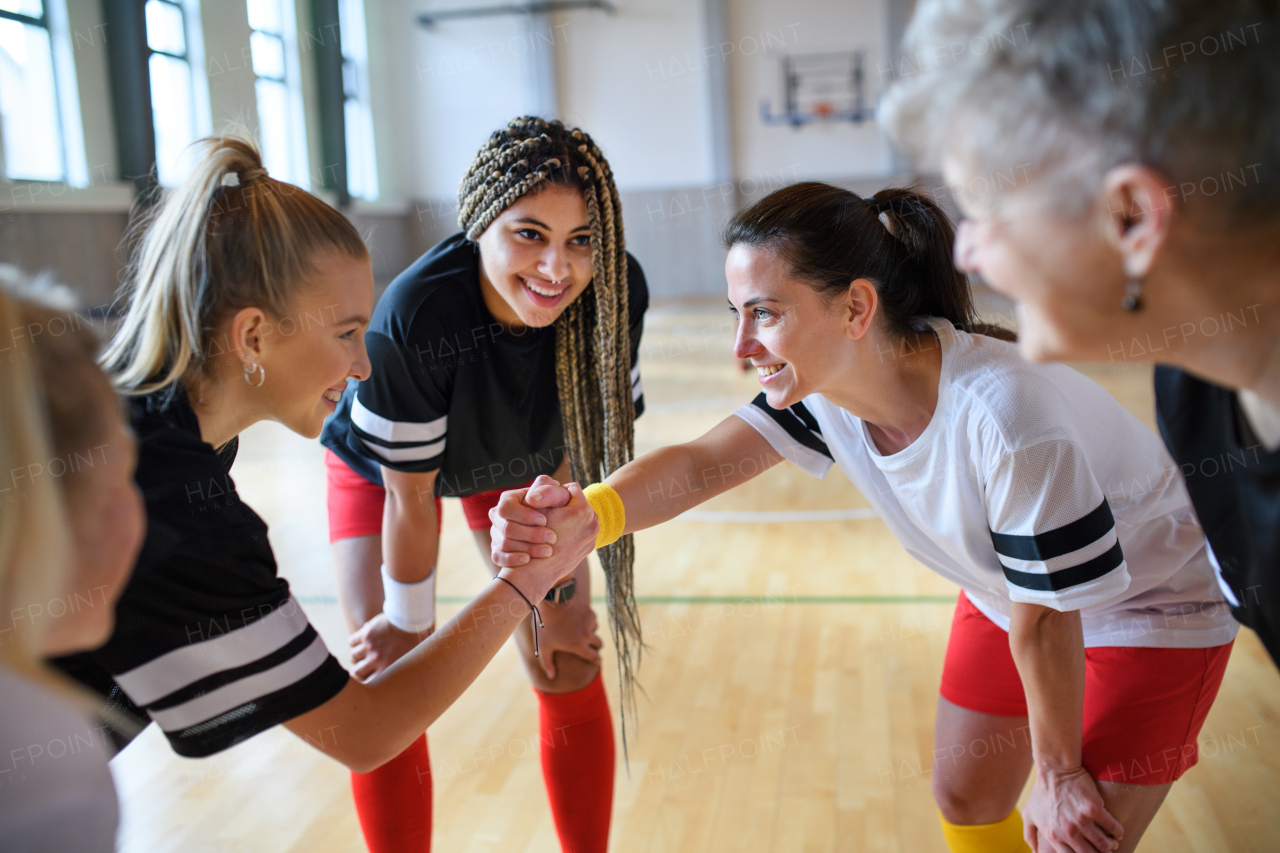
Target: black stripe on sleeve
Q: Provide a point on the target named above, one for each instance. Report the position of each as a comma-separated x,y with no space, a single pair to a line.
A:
1090,570
242,723
221,679
1054,543
798,422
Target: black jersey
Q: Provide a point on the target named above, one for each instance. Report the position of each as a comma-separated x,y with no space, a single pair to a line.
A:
452,389
208,642
1235,488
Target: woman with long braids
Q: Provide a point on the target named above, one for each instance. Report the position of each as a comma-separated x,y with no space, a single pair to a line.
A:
507,351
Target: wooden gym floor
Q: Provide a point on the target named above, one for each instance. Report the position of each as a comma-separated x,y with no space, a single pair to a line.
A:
792,675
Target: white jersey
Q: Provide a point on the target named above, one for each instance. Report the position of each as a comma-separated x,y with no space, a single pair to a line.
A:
1031,484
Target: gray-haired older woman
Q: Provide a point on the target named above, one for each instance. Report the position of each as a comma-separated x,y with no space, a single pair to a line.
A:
1118,162
1119,165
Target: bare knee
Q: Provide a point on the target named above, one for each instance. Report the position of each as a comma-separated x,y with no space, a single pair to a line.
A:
966,803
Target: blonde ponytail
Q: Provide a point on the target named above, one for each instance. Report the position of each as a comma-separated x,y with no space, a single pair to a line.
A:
230,237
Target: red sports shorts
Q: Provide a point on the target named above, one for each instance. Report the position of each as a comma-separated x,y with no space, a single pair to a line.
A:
355,504
1143,707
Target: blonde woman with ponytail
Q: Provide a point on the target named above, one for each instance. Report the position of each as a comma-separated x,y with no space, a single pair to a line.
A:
1089,637
70,525
247,300
507,351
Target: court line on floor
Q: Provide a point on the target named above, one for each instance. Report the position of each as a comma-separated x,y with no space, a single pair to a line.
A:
753,517
696,404
715,599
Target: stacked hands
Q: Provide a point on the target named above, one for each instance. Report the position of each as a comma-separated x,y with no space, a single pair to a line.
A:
526,523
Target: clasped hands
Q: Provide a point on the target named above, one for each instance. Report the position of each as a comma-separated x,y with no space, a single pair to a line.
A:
540,521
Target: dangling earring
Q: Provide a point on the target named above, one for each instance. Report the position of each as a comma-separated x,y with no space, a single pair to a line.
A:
248,372
1132,300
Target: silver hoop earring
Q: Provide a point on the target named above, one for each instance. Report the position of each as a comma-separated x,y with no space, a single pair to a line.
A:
1132,300
250,372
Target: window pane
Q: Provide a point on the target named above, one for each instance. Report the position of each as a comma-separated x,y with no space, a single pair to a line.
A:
362,166
265,15
29,104
34,8
351,29
164,28
173,114
273,129
350,81
268,55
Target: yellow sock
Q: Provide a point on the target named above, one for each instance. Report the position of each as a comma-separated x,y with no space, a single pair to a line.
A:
1002,837
609,509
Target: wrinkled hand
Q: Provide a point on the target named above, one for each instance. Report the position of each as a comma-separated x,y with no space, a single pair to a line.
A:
519,528
1066,814
378,644
567,629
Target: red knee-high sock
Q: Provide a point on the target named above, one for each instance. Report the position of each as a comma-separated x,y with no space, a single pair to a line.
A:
576,730
394,802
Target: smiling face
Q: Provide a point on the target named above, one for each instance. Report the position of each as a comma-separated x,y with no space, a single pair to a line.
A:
797,342
535,258
310,353
1065,276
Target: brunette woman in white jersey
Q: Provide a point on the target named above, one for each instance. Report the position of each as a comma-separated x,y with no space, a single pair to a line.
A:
1088,608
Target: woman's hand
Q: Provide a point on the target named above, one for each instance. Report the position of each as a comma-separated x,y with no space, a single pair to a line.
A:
573,529
378,644
519,528
570,629
1066,814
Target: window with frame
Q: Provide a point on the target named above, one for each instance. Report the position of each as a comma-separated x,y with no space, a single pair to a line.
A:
362,164
273,46
174,65
39,106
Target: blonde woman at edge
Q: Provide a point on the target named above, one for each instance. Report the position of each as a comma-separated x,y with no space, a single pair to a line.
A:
247,301
70,525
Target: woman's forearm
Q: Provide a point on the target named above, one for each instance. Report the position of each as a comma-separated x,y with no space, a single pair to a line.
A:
663,483
410,526
370,723
373,722
1048,649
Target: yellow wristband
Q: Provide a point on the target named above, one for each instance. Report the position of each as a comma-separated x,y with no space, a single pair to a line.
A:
609,509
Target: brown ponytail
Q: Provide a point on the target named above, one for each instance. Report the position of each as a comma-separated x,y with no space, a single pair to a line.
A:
899,239
229,238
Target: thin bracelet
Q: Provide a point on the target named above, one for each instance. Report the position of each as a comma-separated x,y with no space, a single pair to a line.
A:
537,617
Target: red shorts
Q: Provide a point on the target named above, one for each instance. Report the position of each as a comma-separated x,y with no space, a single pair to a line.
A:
355,504
1143,707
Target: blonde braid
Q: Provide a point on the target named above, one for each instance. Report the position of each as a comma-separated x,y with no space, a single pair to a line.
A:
593,334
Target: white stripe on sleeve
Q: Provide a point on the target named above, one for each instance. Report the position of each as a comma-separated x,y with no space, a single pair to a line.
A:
396,431
237,693
406,454
176,669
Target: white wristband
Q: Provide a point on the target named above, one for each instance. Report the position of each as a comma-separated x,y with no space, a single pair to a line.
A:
410,607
